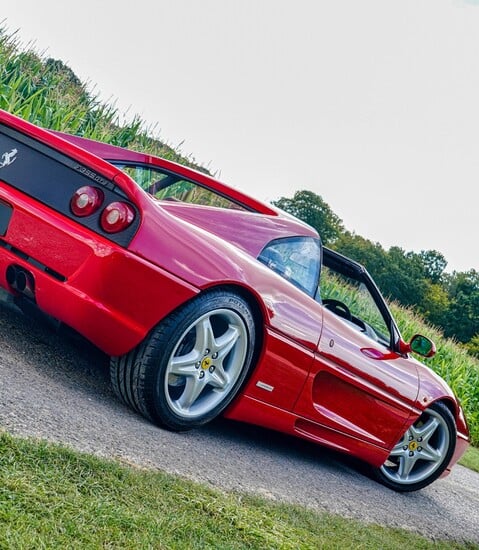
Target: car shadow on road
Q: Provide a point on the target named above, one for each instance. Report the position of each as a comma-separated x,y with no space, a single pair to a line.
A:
287,446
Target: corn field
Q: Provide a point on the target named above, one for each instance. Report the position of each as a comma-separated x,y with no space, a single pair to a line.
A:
46,92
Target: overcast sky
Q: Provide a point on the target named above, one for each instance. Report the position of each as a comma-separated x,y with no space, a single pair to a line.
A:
372,104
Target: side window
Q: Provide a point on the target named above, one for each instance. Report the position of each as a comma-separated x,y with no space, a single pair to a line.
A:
350,299
143,176
297,259
187,191
169,186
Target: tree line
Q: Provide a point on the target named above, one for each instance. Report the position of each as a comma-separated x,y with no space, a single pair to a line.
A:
419,280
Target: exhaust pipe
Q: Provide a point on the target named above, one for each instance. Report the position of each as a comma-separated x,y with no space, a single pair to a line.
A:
21,280
11,275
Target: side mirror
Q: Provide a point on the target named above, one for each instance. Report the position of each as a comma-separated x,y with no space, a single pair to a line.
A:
419,344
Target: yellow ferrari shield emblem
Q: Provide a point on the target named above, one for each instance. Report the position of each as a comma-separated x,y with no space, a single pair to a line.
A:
206,363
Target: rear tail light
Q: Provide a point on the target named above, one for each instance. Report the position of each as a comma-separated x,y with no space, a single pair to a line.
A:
86,200
116,217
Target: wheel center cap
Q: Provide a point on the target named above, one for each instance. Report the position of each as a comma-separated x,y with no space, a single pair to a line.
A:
206,363
412,445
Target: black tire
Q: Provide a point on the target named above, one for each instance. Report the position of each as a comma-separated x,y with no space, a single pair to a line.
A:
192,365
423,452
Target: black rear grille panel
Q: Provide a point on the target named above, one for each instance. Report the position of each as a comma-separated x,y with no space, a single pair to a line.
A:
50,177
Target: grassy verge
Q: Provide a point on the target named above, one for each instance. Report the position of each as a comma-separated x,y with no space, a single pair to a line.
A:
471,459
51,497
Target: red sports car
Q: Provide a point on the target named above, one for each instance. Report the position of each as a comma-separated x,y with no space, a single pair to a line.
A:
210,302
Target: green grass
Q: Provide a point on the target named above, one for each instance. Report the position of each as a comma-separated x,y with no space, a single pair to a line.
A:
471,459
51,497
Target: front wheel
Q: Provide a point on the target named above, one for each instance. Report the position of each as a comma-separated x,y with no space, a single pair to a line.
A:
192,364
423,452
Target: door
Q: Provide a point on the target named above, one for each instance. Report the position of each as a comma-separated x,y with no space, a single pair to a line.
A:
358,388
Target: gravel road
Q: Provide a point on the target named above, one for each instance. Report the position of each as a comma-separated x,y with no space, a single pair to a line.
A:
58,389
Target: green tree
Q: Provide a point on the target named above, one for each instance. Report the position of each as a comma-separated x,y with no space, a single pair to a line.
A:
398,274
404,278
312,209
434,264
435,303
371,255
461,319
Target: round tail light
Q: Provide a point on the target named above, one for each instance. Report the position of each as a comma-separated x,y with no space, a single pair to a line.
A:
86,200
116,217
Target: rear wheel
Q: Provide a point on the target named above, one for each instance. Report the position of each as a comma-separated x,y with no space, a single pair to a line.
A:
192,364
423,452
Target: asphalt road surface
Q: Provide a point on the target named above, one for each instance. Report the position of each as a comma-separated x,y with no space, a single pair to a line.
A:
56,388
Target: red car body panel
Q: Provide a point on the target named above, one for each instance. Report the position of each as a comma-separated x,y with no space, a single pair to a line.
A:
114,294
338,368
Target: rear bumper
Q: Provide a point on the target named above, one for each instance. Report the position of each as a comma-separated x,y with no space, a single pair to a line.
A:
103,291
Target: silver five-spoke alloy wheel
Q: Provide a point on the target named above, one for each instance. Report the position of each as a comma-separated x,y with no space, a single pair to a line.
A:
192,364
423,452
206,363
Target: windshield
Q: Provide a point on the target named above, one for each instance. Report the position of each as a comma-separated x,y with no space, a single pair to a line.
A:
164,185
297,259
